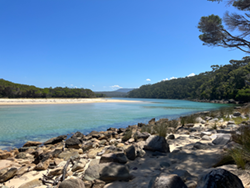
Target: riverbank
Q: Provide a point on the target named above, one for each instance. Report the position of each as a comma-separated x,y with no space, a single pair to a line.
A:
135,156
60,101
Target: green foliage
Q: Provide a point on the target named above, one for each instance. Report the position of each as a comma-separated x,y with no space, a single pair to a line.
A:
161,129
12,90
188,119
241,153
127,135
223,82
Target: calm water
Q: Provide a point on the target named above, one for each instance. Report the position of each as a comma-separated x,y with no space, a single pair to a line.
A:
19,124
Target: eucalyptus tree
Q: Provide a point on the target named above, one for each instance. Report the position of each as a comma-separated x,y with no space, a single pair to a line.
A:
214,33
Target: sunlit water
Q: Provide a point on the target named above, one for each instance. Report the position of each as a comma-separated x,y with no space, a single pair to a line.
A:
19,124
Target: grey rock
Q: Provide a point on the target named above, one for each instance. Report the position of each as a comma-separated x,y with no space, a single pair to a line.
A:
130,153
115,172
171,137
206,137
73,142
222,139
55,140
167,181
121,158
72,183
199,145
94,169
157,143
219,178
236,114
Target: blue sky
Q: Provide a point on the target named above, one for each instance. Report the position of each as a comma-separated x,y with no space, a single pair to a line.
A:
105,44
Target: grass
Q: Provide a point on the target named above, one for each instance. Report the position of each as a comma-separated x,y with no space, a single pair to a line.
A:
241,153
188,119
127,135
237,120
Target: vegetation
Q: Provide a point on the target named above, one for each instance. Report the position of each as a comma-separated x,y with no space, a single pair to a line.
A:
13,90
214,33
223,82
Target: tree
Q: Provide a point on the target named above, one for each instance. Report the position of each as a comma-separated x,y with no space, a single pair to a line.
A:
214,33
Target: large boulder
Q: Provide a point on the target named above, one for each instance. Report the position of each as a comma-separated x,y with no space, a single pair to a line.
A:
7,173
157,143
130,152
222,139
32,143
219,178
72,183
55,140
167,181
73,142
115,172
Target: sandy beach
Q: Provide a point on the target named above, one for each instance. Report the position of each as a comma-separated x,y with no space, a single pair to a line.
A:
59,101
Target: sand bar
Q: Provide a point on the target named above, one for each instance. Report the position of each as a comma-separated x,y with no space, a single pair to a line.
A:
60,101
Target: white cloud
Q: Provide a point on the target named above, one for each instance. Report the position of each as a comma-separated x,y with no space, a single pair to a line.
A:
71,85
93,85
165,79
148,80
75,86
173,78
115,86
192,74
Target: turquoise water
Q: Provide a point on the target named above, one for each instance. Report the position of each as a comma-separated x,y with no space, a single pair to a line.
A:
19,124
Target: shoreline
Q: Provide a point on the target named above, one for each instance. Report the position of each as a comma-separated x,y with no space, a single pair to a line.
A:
60,101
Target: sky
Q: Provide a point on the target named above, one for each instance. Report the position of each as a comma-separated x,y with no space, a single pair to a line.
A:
104,45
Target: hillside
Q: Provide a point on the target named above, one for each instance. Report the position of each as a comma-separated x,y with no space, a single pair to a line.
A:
223,82
117,93
13,90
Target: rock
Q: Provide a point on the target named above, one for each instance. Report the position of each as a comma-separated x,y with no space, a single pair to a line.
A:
88,184
87,146
93,170
189,125
5,154
130,153
55,140
31,184
152,121
21,155
157,143
98,184
206,137
78,135
171,137
32,143
72,183
121,130
219,178
73,142
79,165
167,181
115,172
43,165
110,157
141,136
199,145
26,149
56,171
236,114
66,155
222,139
121,158
7,173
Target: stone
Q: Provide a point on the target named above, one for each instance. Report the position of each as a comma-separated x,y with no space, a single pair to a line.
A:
121,158
152,121
206,137
236,114
88,184
32,183
141,136
56,171
7,173
32,143
157,143
5,154
110,157
115,172
55,140
130,152
72,183
73,142
43,165
93,170
87,146
66,155
21,155
167,181
222,139
98,184
189,125
219,178
199,145
79,165
171,137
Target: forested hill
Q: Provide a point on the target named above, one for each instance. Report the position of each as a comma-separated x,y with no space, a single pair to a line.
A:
13,90
230,81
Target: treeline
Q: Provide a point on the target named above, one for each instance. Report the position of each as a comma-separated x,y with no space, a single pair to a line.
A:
13,90
230,81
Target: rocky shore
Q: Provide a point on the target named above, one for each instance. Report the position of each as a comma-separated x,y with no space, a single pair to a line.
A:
188,155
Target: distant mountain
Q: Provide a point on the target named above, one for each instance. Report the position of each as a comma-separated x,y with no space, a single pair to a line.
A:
124,90
117,93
